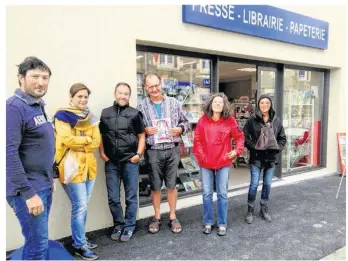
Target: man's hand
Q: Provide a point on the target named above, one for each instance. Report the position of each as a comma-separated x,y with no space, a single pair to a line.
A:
151,130
104,157
175,131
35,205
232,154
135,159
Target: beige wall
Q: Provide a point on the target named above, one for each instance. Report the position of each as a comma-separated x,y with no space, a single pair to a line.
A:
96,46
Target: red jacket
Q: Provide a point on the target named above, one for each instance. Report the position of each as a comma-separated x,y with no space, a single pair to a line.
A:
213,141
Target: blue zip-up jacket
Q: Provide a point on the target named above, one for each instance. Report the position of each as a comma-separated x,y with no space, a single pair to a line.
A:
29,146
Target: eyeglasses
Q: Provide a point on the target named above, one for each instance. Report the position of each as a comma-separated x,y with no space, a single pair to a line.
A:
154,86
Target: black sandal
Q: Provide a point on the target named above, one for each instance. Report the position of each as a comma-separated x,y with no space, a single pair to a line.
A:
154,226
174,224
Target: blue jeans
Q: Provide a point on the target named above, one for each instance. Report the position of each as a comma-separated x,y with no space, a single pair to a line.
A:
128,172
221,180
255,173
34,228
79,195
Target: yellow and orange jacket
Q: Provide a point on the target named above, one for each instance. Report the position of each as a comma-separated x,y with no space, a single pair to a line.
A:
76,133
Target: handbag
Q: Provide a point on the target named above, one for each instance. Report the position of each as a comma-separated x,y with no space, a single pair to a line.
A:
56,165
267,140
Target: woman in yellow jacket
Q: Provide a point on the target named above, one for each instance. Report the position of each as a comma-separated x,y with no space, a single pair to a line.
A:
77,136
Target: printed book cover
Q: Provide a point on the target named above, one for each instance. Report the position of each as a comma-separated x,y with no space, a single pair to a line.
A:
162,135
187,140
189,164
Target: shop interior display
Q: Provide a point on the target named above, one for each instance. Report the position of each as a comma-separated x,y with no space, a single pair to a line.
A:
298,124
192,97
242,109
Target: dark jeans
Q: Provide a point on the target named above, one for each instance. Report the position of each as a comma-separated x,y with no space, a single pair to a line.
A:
34,228
128,172
255,173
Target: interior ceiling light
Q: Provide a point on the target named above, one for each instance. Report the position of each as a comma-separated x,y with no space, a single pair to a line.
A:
140,56
247,69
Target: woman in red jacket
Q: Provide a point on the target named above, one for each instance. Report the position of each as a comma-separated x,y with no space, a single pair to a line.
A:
213,150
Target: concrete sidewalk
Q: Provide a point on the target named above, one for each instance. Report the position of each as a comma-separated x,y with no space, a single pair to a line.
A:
340,254
309,223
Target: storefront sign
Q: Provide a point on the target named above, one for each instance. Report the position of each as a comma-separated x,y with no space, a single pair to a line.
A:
206,83
260,21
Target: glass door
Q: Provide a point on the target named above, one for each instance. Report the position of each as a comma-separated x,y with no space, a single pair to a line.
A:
266,82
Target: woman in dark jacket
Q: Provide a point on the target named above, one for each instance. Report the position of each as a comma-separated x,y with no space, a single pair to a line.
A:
261,157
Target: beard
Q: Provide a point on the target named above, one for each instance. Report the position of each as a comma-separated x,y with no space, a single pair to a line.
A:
36,93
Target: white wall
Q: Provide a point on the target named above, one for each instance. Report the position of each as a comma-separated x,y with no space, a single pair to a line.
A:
96,46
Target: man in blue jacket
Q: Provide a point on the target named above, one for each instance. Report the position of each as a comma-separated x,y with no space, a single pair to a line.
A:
29,157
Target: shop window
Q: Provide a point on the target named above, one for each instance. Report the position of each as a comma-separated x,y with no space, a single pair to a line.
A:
302,118
166,60
169,59
268,84
206,64
191,87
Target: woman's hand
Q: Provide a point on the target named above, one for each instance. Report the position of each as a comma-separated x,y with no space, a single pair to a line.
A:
232,154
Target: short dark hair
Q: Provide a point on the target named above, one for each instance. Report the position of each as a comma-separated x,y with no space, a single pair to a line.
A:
125,84
32,63
78,87
151,74
226,111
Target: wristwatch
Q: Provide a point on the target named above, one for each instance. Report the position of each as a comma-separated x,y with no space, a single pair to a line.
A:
139,154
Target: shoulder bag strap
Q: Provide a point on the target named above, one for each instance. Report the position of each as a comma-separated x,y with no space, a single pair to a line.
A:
63,157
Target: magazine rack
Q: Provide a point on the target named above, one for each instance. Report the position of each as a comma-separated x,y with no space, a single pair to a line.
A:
242,110
188,172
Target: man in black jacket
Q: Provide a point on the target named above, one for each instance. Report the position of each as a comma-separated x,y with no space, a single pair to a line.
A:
263,152
122,131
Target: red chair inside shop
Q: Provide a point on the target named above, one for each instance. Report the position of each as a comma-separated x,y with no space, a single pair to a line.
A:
303,141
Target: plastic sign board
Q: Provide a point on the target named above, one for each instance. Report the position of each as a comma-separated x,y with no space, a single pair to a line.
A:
261,21
341,138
